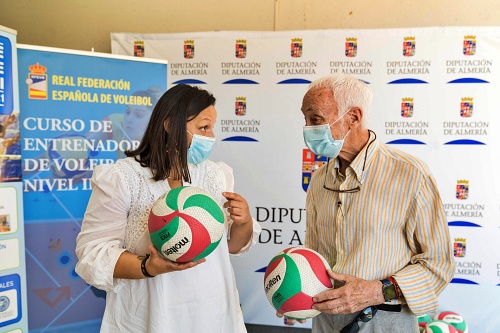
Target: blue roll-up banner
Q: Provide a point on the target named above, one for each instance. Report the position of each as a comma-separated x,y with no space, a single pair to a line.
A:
13,300
79,110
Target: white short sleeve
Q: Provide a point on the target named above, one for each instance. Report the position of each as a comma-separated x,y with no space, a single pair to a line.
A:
101,239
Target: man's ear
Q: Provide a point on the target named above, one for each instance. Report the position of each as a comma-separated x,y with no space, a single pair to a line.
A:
355,117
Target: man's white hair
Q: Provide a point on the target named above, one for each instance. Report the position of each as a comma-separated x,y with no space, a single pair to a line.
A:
348,92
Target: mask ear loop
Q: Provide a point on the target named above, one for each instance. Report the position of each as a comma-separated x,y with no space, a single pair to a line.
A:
192,135
338,120
345,136
340,117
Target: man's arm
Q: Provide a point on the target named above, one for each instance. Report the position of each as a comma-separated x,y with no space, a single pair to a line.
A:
433,266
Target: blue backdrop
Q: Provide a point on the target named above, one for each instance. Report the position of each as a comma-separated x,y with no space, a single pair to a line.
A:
78,110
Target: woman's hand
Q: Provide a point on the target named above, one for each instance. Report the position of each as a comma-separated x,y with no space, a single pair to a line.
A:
237,208
289,321
242,226
156,264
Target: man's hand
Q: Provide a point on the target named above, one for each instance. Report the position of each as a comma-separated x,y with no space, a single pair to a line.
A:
355,295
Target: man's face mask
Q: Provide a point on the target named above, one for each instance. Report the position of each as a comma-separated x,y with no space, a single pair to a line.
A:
319,140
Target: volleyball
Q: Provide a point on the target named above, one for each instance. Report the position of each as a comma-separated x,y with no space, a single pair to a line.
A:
423,320
186,224
292,278
454,319
68,156
439,326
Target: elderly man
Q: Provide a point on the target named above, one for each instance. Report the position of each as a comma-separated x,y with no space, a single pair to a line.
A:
374,212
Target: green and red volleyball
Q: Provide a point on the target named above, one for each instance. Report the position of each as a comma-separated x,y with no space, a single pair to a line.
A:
439,326
423,320
186,224
454,319
291,280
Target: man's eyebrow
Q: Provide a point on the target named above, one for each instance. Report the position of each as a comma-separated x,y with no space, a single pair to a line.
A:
315,110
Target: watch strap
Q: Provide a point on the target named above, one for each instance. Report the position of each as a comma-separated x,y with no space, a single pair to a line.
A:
388,290
396,286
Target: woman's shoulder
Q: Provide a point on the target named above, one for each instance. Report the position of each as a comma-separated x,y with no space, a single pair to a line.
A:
128,175
221,165
209,166
124,166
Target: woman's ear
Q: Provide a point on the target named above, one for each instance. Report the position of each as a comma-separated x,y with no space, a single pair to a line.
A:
165,125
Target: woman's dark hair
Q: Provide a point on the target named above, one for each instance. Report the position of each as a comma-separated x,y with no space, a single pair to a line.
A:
163,147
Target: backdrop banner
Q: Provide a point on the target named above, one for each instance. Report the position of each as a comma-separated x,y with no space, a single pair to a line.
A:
13,300
79,110
434,96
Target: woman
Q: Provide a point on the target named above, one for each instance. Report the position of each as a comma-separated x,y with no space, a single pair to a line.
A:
164,296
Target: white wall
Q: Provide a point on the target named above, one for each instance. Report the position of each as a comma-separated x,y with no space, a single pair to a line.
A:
87,24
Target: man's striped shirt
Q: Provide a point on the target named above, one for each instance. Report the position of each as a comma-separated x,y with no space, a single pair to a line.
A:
394,226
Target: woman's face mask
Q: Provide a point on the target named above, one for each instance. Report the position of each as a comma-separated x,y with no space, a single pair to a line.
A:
319,140
200,149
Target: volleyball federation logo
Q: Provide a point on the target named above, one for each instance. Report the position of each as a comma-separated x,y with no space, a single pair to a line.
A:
37,82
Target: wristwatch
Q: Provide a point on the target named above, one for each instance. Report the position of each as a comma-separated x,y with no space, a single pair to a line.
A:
388,290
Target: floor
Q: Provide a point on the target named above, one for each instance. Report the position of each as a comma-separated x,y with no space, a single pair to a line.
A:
251,328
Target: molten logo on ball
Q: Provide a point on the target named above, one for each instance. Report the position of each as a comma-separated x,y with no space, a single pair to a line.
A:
186,224
291,280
